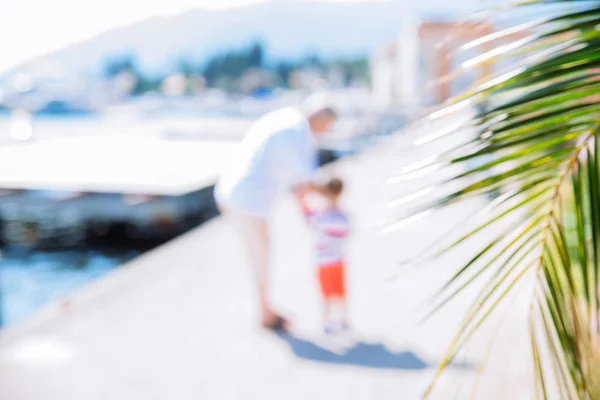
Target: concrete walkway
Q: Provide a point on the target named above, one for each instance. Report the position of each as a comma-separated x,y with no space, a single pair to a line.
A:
179,323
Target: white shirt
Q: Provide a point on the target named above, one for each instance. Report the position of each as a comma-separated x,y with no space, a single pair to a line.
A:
277,153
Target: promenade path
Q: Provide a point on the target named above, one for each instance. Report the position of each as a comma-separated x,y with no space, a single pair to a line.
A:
180,322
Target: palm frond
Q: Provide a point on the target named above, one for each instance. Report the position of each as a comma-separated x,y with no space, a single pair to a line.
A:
538,141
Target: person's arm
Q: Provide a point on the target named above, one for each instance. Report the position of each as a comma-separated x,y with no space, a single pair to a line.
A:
301,192
297,155
303,189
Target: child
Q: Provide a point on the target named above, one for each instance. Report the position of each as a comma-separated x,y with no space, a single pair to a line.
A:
331,228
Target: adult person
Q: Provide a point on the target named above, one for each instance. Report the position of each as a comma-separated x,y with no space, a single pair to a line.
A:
278,154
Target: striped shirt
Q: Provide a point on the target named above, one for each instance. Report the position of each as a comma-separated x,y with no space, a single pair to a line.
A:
331,228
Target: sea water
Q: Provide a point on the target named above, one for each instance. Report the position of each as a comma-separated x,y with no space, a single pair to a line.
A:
30,280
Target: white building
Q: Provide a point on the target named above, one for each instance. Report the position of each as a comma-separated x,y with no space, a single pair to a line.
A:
395,74
413,71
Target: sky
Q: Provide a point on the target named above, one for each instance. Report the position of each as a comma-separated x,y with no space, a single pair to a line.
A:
29,28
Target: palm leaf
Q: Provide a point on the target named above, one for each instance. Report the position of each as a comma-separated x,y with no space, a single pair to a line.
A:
537,139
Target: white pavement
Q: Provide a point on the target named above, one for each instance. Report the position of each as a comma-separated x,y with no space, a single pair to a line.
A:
179,323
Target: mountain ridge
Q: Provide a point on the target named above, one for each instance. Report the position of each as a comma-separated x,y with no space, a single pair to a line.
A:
289,29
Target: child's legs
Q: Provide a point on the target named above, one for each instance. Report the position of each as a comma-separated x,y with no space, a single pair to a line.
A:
337,308
327,310
333,290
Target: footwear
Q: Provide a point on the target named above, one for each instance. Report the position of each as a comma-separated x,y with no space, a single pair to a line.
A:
331,329
277,324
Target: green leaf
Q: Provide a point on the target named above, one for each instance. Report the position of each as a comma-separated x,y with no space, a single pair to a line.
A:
537,141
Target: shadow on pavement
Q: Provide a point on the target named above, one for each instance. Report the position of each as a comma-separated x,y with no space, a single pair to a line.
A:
360,354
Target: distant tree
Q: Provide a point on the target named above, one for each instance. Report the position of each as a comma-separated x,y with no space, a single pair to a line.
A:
313,60
213,67
115,65
145,85
256,55
353,69
231,65
224,69
186,68
283,70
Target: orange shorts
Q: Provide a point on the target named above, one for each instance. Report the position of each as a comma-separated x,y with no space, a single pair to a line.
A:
332,280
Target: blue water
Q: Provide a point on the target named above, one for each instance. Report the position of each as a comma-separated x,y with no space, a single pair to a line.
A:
28,282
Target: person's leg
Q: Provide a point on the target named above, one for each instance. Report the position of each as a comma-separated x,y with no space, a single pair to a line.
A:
327,313
255,234
344,313
325,286
332,323
260,243
337,293
343,304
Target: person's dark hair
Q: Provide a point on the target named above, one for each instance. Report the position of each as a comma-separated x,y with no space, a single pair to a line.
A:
334,187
